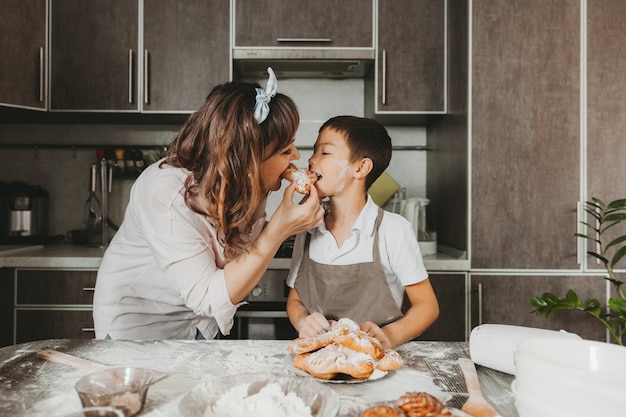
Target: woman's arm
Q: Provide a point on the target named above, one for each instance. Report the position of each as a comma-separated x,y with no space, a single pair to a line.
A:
419,317
244,272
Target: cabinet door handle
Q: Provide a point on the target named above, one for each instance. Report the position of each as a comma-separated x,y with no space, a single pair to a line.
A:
304,40
480,303
146,95
88,330
130,76
41,73
384,78
579,241
89,289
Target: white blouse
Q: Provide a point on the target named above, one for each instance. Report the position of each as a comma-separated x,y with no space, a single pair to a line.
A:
162,275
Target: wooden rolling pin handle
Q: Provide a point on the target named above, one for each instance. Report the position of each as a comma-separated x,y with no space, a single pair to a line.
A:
64,358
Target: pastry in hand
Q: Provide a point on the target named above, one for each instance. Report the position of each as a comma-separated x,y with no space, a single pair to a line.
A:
303,178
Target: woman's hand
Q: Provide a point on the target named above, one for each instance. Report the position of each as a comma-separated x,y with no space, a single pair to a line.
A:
291,218
374,330
313,324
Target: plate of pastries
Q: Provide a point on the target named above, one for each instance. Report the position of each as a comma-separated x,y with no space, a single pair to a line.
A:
344,354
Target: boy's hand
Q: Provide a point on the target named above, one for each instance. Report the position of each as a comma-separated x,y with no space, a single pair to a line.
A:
373,330
313,324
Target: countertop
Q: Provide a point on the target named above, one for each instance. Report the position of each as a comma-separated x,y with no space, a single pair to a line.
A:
65,255
32,387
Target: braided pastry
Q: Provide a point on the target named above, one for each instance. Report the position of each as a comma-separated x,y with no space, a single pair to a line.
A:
334,359
347,332
421,404
382,411
309,344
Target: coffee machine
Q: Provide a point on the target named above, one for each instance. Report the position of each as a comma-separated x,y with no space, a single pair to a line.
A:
24,212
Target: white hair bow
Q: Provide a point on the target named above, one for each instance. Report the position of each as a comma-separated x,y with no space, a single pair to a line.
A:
262,108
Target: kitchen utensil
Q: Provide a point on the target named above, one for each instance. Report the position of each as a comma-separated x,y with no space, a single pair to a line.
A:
494,345
76,362
122,388
476,405
93,219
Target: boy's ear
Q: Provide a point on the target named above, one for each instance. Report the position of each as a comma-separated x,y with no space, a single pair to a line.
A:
364,168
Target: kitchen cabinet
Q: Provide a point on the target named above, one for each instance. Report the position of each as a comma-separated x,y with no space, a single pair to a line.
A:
606,104
100,62
51,303
23,53
505,299
410,76
303,23
450,291
186,52
94,55
525,134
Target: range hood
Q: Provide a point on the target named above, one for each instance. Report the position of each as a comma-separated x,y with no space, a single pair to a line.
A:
303,63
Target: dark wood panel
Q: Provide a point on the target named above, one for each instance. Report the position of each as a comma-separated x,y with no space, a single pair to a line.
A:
348,23
450,291
606,102
506,300
188,45
53,324
7,292
23,26
90,44
525,134
412,34
55,287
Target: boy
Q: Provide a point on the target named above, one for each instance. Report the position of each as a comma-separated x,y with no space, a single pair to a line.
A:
360,262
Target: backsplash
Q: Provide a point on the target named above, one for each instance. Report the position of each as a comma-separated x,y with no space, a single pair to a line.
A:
64,172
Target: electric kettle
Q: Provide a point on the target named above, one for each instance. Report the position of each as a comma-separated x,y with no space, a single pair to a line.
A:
414,210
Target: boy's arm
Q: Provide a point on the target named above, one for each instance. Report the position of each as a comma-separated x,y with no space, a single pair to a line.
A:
419,317
306,324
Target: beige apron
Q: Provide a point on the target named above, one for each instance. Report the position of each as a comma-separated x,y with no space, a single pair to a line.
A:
358,291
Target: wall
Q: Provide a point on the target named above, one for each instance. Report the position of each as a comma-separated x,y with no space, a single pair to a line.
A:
64,172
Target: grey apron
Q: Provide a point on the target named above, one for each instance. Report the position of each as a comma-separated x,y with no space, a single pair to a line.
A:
357,291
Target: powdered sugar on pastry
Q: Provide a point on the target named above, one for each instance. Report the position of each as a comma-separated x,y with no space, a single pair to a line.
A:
303,178
330,360
347,332
309,344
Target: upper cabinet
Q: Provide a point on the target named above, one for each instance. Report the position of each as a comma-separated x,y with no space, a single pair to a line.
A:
410,76
23,53
94,49
304,23
186,52
100,61
525,128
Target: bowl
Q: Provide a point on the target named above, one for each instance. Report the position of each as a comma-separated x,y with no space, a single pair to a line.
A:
97,412
259,394
122,388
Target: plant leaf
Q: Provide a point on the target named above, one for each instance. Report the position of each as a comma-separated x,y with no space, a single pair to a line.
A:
618,255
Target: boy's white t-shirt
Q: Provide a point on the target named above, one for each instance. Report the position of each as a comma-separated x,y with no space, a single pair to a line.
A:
399,251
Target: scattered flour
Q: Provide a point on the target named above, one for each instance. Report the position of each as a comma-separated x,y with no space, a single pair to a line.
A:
270,401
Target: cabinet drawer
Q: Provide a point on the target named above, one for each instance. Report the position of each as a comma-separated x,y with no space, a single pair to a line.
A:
54,287
53,324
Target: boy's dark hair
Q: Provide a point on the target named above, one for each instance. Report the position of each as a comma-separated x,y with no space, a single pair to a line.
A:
366,138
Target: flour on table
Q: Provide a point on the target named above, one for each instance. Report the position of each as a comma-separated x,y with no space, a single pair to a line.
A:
270,401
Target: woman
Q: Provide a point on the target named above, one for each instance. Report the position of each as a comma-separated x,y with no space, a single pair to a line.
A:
194,241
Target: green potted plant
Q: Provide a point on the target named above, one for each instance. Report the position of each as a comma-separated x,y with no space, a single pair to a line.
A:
610,254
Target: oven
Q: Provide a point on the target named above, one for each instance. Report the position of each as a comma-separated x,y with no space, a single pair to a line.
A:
265,314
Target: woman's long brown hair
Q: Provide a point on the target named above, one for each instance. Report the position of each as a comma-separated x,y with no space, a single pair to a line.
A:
223,146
